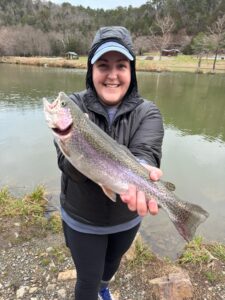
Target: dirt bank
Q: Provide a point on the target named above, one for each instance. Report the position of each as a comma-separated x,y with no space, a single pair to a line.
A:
31,268
36,265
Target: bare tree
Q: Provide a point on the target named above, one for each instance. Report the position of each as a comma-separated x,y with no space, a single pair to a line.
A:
24,40
141,44
165,26
200,46
8,40
4,42
217,37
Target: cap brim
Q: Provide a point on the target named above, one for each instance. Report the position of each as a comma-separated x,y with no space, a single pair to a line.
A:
119,49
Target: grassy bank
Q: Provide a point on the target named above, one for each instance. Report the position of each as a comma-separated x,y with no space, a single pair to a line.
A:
27,235
184,63
24,218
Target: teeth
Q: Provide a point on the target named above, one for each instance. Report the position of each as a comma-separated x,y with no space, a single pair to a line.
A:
112,85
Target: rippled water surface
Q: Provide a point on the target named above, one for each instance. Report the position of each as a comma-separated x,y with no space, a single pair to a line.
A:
193,108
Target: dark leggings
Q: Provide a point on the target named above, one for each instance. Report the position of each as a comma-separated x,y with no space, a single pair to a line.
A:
96,258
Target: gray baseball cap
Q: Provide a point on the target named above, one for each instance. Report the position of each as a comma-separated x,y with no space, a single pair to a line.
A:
110,46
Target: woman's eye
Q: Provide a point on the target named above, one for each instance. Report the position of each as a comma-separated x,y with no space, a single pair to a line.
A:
122,66
102,66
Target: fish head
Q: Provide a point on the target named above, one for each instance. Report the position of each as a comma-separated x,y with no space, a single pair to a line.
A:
58,115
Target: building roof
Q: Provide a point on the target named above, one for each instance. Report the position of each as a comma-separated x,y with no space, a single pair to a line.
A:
71,53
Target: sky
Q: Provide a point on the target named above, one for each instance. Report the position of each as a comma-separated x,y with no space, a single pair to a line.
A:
107,4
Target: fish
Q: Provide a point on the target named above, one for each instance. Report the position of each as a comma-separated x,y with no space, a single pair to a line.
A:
111,165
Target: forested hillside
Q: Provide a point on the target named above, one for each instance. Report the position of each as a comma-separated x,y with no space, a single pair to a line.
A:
35,27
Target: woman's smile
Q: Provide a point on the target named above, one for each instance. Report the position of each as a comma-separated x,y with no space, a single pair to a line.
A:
112,77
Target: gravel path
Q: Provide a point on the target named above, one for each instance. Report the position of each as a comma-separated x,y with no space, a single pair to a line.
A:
42,269
30,270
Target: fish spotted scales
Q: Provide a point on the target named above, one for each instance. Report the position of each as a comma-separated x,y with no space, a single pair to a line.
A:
99,157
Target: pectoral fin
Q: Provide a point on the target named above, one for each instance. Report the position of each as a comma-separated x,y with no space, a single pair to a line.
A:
109,193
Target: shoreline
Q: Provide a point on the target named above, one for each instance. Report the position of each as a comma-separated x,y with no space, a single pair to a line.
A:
35,264
167,64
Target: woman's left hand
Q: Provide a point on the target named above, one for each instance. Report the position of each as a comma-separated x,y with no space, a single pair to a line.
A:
136,200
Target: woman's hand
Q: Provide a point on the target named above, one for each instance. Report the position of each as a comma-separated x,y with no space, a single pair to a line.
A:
136,199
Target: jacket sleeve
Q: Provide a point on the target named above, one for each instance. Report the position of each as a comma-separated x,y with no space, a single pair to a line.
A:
146,140
66,167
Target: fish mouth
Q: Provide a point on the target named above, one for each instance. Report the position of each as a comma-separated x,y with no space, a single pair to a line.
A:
63,132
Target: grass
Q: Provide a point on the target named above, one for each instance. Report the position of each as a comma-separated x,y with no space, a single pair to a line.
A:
212,276
217,250
45,261
4,196
47,61
55,256
195,252
31,207
29,210
54,223
141,253
187,63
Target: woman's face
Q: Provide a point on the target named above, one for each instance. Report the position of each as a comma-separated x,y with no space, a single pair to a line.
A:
111,77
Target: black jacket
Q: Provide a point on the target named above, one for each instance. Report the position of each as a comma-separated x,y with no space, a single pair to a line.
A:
137,125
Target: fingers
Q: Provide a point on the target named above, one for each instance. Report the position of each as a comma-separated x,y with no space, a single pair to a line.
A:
154,173
153,207
136,201
142,208
131,201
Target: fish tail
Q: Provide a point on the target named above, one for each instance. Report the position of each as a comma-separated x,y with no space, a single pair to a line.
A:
186,218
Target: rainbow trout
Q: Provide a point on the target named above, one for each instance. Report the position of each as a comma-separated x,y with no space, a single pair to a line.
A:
95,154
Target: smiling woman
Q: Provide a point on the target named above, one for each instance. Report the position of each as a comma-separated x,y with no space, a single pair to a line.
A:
90,220
111,77
193,108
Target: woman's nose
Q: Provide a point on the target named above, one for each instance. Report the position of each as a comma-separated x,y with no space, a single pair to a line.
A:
112,73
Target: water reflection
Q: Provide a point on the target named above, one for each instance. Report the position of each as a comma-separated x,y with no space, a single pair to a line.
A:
192,103
193,109
25,86
196,166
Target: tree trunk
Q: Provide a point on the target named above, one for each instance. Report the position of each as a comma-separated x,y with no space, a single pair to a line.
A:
160,54
199,63
214,62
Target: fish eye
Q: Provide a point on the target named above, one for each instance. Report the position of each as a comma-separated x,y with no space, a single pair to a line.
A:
63,103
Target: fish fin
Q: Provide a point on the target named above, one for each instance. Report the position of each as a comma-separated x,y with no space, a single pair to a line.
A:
186,217
109,193
169,185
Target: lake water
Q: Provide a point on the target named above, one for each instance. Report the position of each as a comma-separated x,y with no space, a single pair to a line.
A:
193,108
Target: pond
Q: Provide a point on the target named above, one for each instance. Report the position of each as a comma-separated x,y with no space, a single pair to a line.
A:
193,109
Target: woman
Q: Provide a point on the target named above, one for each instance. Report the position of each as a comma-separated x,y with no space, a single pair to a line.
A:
97,230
